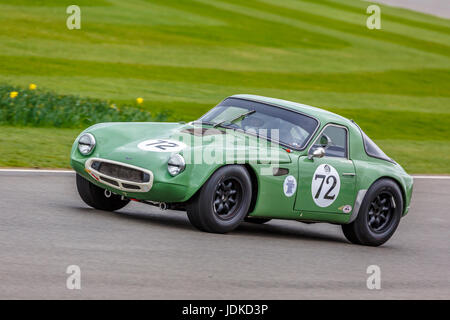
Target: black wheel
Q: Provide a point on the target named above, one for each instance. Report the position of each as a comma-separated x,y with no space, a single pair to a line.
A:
223,201
256,220
379,215
95,196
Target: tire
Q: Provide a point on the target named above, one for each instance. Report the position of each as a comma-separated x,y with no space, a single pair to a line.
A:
193,218
95,197
256,220
223,201
378,216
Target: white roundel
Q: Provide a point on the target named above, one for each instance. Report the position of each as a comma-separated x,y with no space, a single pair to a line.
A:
289,186
325,185
161,145
347,209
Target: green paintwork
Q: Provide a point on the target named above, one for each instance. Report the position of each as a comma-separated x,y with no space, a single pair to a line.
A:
118,142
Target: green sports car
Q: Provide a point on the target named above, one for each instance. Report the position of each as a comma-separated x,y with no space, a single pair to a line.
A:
250,158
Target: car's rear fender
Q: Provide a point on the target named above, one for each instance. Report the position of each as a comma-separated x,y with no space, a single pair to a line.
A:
368,173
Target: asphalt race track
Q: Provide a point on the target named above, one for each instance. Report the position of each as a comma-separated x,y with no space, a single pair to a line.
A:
144,253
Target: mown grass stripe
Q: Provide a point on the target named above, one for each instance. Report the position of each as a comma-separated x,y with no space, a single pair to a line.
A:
394,124
347,27
57,3
390,17
240,28
433,82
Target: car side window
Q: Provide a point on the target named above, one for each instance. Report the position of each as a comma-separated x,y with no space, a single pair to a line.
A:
334,140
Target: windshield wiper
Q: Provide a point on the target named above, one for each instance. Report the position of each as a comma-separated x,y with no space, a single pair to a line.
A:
240,117
202,122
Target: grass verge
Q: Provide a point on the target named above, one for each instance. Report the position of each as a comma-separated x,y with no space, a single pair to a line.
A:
36,147
187,55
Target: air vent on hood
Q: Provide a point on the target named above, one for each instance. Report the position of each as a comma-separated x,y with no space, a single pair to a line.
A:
202,131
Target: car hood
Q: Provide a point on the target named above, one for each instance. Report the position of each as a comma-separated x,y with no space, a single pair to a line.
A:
133,143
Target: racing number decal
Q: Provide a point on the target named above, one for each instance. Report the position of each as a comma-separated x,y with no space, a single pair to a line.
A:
327,195
161,145
325,185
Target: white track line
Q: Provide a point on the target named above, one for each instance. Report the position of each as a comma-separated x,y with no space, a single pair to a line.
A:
71,171
36,171
432,177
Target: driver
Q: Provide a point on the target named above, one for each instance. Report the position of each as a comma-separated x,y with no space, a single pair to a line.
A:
252,122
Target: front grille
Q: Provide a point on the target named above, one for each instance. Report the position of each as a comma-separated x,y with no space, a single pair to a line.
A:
110,181
130,186
121,172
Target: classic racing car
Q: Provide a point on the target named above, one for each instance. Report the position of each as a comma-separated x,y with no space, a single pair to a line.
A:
249,158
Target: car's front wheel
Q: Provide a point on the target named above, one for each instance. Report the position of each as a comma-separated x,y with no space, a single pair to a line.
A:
379,215
223,201
97,198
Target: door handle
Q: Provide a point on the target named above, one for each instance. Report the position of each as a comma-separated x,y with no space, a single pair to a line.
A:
349,174
280,171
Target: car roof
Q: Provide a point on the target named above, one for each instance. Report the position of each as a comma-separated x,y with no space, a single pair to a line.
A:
322,115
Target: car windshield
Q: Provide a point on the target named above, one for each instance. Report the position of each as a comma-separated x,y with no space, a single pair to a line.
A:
284,126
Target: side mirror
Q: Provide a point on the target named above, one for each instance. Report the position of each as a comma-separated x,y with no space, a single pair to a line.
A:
325,141
317,153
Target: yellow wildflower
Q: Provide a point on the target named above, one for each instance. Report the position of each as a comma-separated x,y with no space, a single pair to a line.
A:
32,86
13,94
139,100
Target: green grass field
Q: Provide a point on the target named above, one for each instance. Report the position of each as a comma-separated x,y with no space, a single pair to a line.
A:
186,56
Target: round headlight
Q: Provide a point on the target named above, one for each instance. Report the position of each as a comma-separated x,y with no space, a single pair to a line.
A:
176,164
86,144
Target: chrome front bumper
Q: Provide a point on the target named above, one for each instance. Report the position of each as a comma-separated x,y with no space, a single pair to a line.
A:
120,175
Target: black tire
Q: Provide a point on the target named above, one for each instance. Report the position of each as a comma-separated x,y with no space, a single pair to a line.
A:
193,218
95,197
223,201
257,220
349,233
379,215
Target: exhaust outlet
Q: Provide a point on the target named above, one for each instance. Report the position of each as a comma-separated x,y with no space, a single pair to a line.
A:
163,206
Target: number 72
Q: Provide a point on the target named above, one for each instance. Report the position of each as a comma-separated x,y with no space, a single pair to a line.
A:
327,179
163,144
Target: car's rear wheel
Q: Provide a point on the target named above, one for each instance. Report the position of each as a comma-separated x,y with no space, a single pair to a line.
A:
97,198
379,215
223,201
